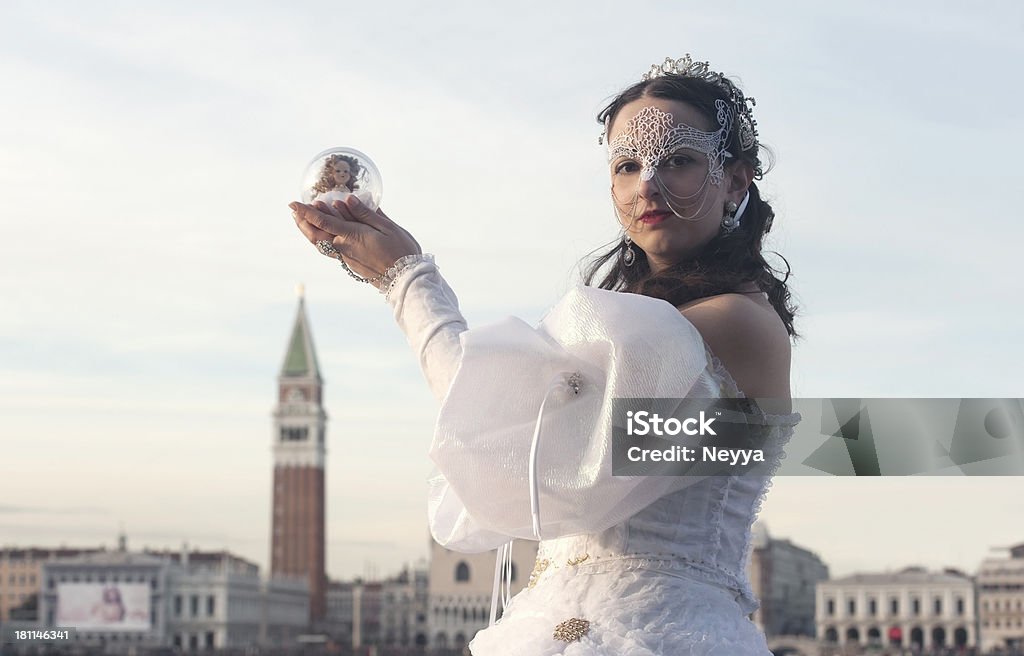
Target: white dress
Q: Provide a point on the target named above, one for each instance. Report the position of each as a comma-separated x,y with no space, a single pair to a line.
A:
329,197
626,566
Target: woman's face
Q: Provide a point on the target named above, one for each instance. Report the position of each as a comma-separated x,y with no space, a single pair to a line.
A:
342,173
665,160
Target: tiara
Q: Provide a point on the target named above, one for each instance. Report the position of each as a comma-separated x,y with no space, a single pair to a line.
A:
686,67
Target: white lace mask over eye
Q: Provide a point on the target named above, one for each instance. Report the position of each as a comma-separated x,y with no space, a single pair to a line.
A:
653,135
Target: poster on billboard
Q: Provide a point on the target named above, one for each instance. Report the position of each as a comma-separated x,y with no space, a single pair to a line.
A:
103,606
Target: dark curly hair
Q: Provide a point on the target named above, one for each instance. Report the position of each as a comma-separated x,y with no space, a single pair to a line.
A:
729,260
326,181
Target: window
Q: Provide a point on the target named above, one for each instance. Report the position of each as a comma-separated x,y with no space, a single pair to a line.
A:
937,606
177,608
915,606
194,603
851,606
294,434
209,639
830,606
462,571
960,606
210,605
872,607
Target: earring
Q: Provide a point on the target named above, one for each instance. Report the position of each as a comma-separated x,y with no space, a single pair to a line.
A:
729,221
628,256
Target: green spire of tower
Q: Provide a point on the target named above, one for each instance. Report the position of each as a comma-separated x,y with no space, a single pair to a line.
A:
300,358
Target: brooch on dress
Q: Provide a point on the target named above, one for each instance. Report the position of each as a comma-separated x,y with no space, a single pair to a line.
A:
538,569
571,629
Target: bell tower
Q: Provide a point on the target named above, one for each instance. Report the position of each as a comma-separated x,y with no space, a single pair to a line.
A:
297,535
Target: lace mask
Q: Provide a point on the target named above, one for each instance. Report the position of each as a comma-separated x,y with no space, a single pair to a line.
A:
652,135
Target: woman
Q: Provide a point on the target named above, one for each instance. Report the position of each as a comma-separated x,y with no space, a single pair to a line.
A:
111,609
627,565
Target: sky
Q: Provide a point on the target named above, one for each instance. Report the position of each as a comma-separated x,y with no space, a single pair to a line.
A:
148,260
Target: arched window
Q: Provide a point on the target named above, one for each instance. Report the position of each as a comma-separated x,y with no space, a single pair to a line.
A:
462,572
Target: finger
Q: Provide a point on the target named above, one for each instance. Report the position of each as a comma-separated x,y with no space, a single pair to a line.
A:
327,209
364,214
308,229
334,225
313,234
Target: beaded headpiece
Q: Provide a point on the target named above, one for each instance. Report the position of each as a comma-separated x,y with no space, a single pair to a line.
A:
744,116
686,67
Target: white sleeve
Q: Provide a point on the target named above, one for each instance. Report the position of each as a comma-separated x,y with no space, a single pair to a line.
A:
427,311
501,384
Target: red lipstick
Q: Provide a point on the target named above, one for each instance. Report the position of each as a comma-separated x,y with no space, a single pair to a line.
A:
652,218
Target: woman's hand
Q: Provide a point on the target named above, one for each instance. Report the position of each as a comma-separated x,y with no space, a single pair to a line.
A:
369,241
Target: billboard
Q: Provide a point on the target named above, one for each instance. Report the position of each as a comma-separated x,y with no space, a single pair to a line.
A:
103,606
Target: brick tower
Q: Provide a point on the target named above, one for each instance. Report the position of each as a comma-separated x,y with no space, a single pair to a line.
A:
297,533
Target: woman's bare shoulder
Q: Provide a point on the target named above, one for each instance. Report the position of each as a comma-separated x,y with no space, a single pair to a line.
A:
748,336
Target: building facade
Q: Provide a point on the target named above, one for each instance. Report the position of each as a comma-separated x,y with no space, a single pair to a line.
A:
390,613
123,601
299,434
21,574
218,601
910,608
460,590
116,600
1001,601
783,576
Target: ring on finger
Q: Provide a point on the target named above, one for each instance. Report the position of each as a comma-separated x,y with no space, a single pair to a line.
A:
328,249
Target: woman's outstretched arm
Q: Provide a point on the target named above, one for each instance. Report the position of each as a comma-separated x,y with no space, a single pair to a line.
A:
425,307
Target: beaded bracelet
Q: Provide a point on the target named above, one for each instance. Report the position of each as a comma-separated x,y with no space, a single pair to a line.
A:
395,271
384,282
